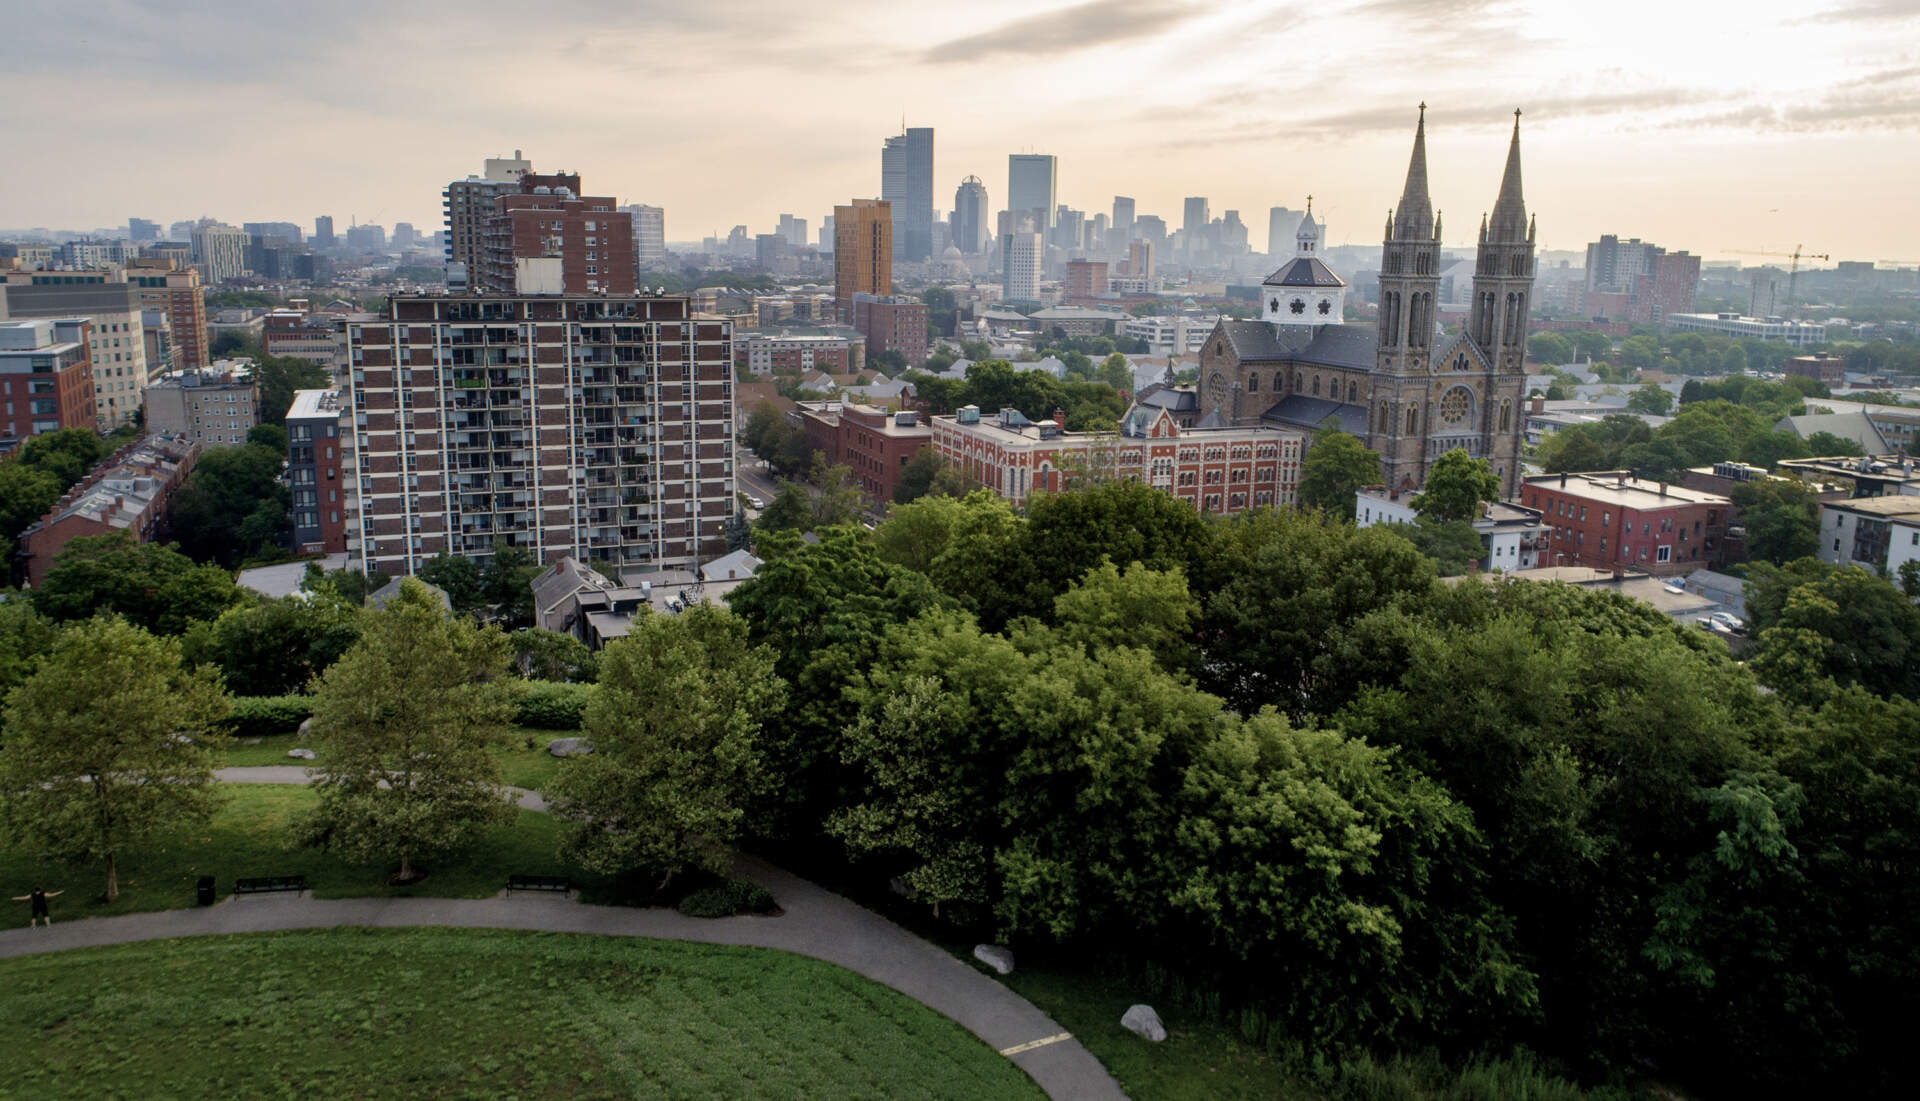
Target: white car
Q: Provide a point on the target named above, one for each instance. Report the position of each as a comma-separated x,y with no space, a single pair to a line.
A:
1728,622
755,502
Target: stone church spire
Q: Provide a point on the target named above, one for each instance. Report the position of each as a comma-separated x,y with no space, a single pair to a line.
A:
1413,218
1509,222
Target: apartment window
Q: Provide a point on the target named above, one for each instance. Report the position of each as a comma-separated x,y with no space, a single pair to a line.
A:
1605,517
1583,514
1666,553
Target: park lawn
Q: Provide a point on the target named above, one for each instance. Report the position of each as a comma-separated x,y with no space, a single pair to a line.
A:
409,1013
520,767
252,835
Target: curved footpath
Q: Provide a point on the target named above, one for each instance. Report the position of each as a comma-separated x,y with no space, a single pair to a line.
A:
817,923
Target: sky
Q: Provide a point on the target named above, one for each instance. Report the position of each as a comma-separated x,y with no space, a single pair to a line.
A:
1697,124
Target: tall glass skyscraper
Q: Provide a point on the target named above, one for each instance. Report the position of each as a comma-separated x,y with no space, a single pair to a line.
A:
970,216
906,181
1033,182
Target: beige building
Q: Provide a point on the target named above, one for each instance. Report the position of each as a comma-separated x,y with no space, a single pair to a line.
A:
115,339
214,406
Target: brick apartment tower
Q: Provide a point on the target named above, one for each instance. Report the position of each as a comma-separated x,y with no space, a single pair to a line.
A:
585,425
549,219
862,252
46,376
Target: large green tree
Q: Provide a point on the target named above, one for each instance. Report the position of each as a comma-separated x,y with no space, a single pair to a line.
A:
1455,487
108,743
275,647
406,717
678,764
1782,518
153,585
1336,466
279,377
233,506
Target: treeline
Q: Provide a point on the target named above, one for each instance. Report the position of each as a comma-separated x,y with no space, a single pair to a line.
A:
1276,757
41,470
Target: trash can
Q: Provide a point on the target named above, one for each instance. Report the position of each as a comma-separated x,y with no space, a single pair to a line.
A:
203,890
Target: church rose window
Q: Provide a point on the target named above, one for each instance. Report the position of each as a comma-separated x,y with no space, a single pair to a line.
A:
1297,306
1455,404
1326,307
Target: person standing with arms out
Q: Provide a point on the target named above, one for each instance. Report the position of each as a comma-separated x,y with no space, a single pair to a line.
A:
37,901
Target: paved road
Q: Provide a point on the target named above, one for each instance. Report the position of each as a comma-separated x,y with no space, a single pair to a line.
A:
297,774
817,923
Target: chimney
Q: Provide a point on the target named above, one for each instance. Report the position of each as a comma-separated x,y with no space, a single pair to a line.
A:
1060,418
1663,489
1539,404
1563,479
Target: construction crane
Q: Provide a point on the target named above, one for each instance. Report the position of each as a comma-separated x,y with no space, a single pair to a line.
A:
1793,271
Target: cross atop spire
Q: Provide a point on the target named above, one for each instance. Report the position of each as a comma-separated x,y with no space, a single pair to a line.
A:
1509,221
1413,219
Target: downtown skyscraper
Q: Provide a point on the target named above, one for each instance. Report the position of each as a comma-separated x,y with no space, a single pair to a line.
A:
906,181
1033,184
970,216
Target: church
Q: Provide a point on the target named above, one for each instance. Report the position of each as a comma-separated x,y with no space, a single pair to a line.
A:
1409,392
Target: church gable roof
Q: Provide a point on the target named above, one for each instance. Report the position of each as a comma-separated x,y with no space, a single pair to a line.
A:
1257,341
1351,346
1301,411
1304,271
1455,344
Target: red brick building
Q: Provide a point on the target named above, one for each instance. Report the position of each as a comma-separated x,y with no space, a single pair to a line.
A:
548,219
1831,370
1086,279
872,442
1221,470
46,376
893,323
128,492
1610,518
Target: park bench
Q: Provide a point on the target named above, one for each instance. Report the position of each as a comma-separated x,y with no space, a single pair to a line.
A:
260,884
557,883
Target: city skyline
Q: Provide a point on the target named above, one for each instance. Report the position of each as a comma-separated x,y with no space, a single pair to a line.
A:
1631,127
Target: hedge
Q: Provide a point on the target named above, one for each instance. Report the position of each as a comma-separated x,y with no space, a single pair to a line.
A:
257,716
551,705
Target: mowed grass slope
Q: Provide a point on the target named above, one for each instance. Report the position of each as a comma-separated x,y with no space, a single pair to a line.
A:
364,1013
253,835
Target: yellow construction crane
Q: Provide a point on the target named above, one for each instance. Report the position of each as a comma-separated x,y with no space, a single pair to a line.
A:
1793,271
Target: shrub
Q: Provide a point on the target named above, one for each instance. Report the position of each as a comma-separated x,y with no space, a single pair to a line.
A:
551,705
735,896
257,716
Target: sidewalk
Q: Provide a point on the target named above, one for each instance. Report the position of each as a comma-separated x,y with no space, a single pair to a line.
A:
817,923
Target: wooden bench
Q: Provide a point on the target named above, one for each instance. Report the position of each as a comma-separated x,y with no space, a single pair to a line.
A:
558,884
261,884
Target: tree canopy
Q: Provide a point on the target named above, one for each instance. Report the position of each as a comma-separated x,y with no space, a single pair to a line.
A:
153,585
1336,466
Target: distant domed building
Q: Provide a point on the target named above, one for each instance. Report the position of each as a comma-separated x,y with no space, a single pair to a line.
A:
1409,394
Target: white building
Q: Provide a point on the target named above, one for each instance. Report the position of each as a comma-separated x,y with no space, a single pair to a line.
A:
1875,532
1025,253
1178,335
1512,537
220,252
1744,328
649,235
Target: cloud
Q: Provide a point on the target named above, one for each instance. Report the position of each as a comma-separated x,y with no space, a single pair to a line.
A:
1869,11
1064,30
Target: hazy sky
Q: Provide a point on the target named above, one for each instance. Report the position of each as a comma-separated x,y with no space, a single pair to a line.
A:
1710,126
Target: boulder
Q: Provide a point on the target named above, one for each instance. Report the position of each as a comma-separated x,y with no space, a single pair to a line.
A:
569,747
300,754
1143,1021
994,956
306,727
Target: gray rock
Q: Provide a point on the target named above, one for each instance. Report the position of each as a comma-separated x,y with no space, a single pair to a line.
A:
569,747
300,754
1143,1021
994,956
306,727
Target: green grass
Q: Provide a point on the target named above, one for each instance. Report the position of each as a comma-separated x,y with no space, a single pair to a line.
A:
252,835
416,1013
519,766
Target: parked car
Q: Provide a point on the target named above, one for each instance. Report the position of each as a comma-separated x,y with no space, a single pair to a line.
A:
755,502
1729,622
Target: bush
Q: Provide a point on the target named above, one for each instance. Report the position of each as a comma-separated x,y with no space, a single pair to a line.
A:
257,716
552,705
735,896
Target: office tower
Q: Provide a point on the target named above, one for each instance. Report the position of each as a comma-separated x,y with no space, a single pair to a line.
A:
545,237
1140,259
587,425
117,349
403,235
323,231
1195,219
1122,213
970,216
1066,227
1152,229
906,181
1032,187
160,285
862,252
46,377
826,234
649,235
220,252
1281,223
793,230
1101,228
139,230
892,323
1023,252
286,231
771,252
1086,278
1232,235
469,203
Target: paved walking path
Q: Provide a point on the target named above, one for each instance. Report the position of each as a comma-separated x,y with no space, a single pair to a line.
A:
817,923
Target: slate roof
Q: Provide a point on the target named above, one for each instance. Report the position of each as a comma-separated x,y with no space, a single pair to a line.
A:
1303,271
1853,426
1305,412
1349,346
1169,398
